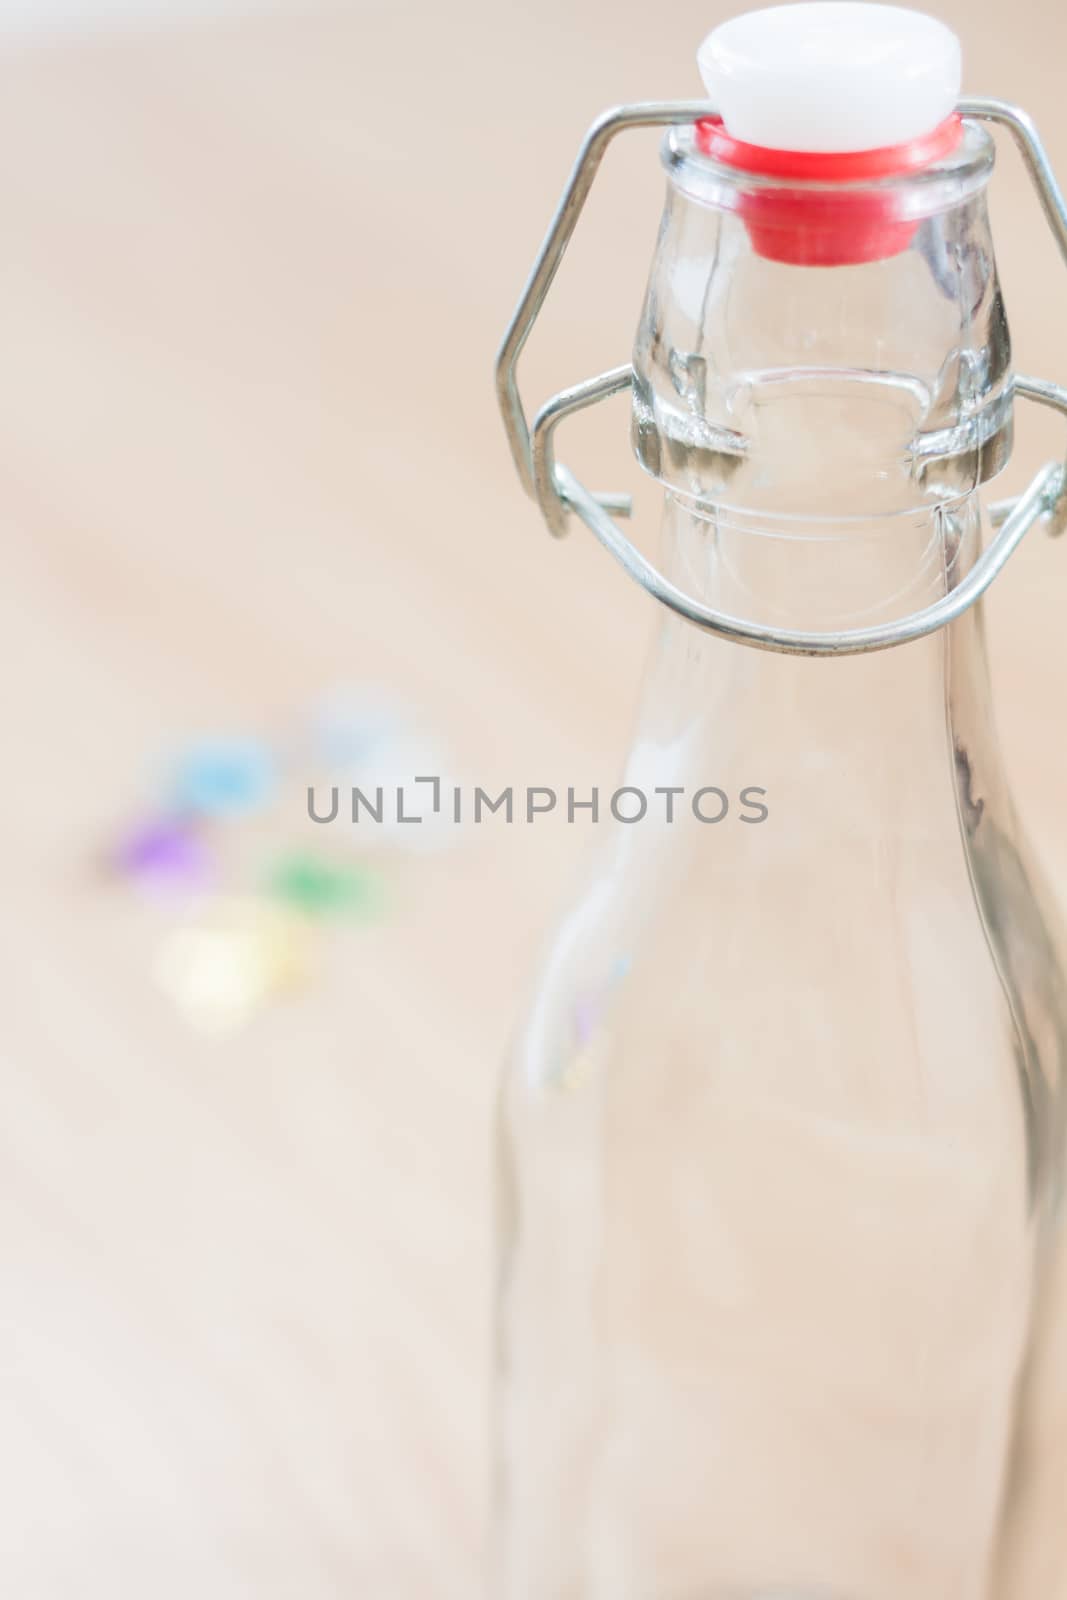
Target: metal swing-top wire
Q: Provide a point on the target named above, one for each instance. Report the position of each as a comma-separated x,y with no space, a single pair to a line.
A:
559,493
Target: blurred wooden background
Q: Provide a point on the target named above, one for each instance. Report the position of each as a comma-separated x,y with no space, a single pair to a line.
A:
252,276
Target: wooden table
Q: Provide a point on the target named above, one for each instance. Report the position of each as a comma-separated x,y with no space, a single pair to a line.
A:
251,281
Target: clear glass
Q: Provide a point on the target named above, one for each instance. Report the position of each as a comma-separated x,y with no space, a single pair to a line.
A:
780,1282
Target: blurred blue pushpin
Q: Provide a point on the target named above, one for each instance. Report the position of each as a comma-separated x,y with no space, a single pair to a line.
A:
224,777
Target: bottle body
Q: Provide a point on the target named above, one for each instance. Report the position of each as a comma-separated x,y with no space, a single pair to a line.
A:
771,1221
780,1138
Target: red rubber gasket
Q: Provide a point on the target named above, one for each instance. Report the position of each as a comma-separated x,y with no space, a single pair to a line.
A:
830,166
827,227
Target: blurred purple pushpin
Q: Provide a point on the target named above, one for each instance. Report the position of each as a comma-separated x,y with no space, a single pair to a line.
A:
165,854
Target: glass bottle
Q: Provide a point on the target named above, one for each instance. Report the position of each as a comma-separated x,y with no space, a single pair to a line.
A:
780,1138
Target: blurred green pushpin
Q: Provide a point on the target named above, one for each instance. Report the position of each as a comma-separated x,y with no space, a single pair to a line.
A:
319,889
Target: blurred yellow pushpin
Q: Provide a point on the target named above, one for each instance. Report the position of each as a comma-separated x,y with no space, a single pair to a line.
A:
220,970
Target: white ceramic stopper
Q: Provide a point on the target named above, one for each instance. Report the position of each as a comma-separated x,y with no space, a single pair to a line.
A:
831,75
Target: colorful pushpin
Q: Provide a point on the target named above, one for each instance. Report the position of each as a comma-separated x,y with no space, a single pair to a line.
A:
320,889
365,736
224,777
221,970
355,724
165,854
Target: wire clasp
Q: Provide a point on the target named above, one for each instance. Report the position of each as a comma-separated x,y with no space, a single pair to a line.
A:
559,493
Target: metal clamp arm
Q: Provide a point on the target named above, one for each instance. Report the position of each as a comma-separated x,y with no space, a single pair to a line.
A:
1046,497
654,114
1024,132
1043,494
559,492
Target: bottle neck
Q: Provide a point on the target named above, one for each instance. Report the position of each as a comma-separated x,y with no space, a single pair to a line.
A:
820,573
850,743
863,387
